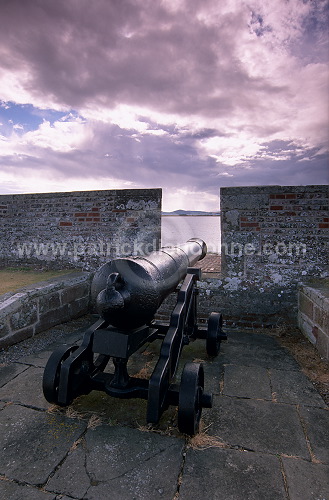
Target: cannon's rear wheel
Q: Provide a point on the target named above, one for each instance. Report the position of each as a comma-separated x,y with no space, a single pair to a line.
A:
52,372
214,332
190,396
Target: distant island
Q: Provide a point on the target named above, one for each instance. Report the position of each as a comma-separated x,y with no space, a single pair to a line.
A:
189,212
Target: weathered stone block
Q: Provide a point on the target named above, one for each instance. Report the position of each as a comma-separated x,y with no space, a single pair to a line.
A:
4,329
305,324
74,292
15,337
318,315
316,327
52,318
26,314
79,307
322,343
49,302
305,305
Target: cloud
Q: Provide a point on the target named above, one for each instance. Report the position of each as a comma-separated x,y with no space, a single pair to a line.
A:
176,94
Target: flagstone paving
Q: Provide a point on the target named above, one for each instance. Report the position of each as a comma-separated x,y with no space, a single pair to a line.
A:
266,436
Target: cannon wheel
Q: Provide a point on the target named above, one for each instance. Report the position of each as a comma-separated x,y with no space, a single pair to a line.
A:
214,331
190,395
52,372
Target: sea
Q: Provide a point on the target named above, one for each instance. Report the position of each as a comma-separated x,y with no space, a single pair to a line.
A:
176,229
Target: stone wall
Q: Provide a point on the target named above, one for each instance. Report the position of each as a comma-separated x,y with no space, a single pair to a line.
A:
272,238
274,233
36,308
78,229
313,315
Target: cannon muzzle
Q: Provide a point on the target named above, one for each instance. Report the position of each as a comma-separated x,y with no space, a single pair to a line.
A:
128,291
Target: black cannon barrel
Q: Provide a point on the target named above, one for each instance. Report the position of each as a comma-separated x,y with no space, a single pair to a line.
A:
128,291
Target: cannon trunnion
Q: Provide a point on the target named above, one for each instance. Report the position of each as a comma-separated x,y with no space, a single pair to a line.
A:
127,293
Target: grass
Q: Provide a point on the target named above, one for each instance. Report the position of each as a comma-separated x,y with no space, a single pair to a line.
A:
12,279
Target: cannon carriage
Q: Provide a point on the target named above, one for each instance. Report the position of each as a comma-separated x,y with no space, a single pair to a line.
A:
127,293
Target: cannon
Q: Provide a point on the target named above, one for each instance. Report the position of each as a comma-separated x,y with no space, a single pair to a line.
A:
126,293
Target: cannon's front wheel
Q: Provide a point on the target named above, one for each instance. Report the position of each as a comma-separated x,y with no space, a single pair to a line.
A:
190,398
214,333
51,375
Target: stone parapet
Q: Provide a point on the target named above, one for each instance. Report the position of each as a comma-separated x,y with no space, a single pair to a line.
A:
81,229
273,237
313,315
239,305
43,305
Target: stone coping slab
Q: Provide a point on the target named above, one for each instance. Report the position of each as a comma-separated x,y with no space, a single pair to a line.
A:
37,307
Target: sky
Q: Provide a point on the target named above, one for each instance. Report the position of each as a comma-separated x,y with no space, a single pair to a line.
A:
184,95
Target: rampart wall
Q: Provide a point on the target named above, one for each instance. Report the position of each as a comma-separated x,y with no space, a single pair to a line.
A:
274,234
273,237
78,229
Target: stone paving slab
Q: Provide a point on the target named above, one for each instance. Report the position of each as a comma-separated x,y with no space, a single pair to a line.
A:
196,351
247,382
13,491
25,389
228,474
39,359
211,263
275,357
294,387
260,426
126,462
316,422
213,376
309,481
10,371
249,338
114,411
33,443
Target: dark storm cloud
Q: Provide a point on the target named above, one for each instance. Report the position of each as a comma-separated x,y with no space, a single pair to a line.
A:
127,51
178,94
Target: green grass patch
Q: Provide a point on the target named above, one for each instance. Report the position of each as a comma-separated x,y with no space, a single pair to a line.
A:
12,279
